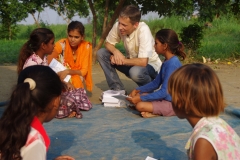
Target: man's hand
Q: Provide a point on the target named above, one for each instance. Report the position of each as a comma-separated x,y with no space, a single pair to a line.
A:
117,58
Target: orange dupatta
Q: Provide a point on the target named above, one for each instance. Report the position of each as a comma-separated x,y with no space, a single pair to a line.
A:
83,61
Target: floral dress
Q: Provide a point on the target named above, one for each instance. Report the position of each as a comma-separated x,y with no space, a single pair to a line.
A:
223,138
35,60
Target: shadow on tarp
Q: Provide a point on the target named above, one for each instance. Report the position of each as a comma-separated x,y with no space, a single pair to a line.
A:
60,143
153,142
121,134
4,103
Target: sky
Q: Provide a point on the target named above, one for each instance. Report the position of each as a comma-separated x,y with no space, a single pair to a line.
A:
51,17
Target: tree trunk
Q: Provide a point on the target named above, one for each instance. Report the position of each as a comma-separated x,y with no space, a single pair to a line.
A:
36,21
105,16
108,28
94,22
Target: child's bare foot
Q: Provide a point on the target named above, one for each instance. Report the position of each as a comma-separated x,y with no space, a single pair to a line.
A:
148,115
72,114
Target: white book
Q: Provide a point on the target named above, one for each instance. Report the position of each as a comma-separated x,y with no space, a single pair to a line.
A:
119,104
122,97
112,92
57,67
150,158
110,100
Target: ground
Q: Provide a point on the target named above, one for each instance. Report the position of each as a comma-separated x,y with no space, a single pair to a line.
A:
229,76
120,133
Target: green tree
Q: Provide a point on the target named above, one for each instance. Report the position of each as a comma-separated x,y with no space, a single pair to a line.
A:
191,37
35,6
107,12
11,12
67,9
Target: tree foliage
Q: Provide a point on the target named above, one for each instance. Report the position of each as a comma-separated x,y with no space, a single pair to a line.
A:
35,6
11,12
191,37
70,8
106,11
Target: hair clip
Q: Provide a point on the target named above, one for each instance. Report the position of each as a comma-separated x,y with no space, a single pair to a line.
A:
32,83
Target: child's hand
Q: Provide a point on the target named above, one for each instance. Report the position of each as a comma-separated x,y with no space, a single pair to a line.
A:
70,86
64,158
134,93
134,99
63,74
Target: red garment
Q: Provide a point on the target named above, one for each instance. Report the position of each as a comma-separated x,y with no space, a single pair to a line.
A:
36,124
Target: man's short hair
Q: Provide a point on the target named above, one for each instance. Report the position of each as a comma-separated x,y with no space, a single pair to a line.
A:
132,12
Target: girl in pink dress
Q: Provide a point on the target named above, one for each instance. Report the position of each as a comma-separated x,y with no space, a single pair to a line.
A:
197,95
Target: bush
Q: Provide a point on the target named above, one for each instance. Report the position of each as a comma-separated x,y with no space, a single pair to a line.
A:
191,37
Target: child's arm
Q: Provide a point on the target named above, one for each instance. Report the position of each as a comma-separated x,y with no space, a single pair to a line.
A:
151,86
57,50
203,149
63,74
162,92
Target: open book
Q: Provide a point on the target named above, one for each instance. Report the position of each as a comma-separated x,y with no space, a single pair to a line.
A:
122,97
57,67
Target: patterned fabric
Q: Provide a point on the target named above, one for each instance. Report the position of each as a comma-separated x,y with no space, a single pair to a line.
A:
35,60
223,138
75,100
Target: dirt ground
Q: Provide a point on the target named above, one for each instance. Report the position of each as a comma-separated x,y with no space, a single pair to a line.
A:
229,76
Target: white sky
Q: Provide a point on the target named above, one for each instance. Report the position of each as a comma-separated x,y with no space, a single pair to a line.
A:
51,17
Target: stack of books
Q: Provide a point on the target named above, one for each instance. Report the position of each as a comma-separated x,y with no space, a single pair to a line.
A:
109,100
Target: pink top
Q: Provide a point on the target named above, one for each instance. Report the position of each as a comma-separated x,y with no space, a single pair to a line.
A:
35,60
222,137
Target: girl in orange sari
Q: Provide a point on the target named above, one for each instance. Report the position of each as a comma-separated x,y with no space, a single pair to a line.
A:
76,54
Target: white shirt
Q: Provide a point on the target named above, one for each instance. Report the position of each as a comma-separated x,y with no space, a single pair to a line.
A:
139,44
37,143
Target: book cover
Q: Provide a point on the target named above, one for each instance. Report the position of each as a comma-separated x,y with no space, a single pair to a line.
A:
110,100
112,92
57,67
119,104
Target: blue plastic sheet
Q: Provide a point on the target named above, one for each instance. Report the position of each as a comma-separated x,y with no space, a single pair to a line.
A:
121,133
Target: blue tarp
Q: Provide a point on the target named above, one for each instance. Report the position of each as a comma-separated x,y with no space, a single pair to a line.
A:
120,133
